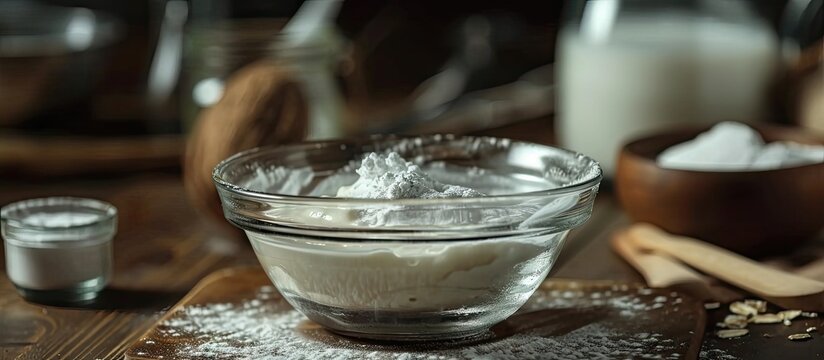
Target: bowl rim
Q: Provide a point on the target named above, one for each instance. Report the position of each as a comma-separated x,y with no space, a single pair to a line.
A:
578,186
101,230
629,149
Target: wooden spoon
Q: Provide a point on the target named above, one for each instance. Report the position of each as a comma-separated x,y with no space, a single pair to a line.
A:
781,288
661,271
814,270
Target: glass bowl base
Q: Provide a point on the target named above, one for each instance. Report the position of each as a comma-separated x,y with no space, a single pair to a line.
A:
461,325
82,293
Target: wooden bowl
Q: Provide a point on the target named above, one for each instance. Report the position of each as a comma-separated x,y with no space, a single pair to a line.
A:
754,213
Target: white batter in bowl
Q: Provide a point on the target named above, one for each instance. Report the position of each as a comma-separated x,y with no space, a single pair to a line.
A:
399,266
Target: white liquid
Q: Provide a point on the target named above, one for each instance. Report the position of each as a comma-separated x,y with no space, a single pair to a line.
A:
397,275
655,73
53,260
412,276
57,268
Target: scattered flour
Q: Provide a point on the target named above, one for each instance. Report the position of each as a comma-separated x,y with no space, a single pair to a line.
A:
619,298
731,146
226,332
258,329
389,176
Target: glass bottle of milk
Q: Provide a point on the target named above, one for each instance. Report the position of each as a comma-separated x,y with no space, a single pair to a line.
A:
630,67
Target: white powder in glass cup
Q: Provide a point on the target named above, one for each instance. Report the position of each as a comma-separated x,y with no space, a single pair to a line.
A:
59,248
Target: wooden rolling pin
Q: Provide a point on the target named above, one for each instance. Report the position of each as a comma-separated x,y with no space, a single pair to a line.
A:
781,288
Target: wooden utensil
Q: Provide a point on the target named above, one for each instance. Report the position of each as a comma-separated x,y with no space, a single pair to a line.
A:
661,271
813,270
781,288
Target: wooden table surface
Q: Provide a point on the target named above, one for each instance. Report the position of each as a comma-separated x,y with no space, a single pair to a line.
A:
163,248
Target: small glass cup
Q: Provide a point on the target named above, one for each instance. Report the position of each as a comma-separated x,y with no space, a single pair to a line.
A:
59,249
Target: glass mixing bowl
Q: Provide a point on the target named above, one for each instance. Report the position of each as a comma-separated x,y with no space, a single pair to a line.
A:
408,269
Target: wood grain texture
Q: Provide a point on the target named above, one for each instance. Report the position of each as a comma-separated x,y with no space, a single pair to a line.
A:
162,249
53,156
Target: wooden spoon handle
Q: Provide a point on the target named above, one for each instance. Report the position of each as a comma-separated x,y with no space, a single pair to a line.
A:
725,265
814,270
661,271
657,270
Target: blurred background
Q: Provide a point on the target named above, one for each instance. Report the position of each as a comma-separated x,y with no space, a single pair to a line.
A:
135,101
119,87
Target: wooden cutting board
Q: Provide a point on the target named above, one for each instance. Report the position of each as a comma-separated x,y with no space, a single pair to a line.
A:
564,319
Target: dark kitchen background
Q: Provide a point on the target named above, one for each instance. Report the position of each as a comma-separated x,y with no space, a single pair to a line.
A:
128,85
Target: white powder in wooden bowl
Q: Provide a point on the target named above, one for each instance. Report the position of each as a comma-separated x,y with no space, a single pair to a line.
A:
731,146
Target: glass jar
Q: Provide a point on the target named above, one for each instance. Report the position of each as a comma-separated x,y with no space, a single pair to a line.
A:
630,67
59,249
